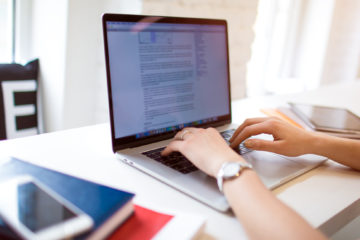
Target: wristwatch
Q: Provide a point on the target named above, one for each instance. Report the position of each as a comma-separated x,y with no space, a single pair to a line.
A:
230,170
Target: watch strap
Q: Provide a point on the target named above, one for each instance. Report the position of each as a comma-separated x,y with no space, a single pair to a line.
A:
220,176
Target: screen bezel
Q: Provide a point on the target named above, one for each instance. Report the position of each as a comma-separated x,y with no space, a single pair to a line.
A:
132,141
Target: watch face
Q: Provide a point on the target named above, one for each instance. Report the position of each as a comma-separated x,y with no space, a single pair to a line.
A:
231,170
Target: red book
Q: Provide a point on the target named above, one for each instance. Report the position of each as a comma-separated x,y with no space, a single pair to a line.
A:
148,224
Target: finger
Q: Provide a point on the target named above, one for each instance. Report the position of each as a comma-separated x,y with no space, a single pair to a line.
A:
182,135
179,133
263,145
251,130
173,146
192,129
247,122
185,135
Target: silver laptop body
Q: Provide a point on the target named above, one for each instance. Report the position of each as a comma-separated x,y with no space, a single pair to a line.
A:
167,73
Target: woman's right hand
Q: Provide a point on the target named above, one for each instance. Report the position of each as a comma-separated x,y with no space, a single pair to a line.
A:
288,139
205,148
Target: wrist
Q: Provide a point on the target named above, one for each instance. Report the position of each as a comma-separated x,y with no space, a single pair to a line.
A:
233,157
316,143
230,171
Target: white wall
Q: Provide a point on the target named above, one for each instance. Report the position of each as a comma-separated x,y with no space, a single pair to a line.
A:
67,37
320,45
48,42
342,57
85,80
313,41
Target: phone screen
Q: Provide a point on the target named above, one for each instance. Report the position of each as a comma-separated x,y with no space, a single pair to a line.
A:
36,209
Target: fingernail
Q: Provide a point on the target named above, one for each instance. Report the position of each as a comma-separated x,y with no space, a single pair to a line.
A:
249,143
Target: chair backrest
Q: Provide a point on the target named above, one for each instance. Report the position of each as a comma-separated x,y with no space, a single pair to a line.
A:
18,100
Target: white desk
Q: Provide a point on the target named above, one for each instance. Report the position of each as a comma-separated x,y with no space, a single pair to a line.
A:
327,197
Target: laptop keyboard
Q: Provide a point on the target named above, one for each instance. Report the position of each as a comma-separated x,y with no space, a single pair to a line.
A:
179,162
175,160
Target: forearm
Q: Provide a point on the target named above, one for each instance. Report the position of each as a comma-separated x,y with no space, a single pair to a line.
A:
341,150
262,214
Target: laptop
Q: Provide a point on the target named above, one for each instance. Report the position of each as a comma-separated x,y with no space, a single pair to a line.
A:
167,73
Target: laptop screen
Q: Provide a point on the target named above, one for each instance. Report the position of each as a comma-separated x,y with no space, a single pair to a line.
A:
166,75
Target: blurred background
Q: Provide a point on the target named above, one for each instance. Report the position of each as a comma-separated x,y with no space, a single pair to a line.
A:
276,47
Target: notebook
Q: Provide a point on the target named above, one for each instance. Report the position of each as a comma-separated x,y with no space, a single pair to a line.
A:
167,73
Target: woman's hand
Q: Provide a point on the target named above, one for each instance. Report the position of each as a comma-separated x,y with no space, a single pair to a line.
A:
288,139
205,148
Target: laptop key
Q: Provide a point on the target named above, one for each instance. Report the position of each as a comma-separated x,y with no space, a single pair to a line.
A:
175,160
241,149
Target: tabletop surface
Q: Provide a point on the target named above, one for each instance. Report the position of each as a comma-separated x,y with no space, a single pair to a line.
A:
327,197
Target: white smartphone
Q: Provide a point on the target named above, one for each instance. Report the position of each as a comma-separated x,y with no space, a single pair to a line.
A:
34,211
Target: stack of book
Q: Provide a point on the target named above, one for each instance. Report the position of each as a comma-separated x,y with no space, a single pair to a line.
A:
112,210
108,207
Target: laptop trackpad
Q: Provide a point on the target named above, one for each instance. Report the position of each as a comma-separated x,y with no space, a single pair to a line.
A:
272,168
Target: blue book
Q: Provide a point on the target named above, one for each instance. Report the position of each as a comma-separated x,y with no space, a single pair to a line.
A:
108,207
